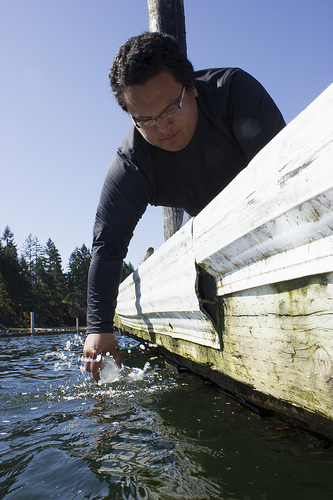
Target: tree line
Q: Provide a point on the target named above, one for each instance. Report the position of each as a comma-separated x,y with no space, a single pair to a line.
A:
33,280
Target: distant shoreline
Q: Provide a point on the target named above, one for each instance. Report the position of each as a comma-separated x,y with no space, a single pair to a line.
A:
25,332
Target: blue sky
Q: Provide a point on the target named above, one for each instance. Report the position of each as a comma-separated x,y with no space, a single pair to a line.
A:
60,125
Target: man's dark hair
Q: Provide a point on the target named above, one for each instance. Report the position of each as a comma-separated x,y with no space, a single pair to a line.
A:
144,56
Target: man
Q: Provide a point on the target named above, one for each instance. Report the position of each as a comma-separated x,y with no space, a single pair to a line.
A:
192,134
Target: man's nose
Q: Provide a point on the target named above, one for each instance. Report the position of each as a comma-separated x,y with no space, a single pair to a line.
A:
162,124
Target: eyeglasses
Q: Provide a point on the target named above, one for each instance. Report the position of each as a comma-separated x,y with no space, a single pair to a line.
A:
165,115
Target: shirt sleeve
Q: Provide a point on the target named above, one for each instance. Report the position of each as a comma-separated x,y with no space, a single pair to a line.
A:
253,115
122,203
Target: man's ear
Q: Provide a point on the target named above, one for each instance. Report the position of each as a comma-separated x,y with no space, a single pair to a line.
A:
193,91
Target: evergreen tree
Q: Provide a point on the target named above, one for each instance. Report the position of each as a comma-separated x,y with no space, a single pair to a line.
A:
56,284
8,236
36,282
32,250
50,288
53,264
77,277
26,296
11,281
127,270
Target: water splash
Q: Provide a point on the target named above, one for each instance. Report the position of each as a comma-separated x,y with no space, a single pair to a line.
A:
137,374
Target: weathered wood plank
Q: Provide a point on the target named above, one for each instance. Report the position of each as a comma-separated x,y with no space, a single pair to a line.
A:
279,338
311,258
161,295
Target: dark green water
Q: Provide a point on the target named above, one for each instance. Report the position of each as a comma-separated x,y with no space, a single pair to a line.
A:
152,434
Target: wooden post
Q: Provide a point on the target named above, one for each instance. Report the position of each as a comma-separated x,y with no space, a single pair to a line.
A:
77,325
32,322
172,220
167,16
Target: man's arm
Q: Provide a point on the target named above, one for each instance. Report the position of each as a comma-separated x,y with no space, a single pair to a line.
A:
122,203
103,282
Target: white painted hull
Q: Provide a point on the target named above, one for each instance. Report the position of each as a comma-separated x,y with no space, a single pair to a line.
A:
271,227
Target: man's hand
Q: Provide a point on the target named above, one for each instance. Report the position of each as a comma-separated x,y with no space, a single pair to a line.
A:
98,345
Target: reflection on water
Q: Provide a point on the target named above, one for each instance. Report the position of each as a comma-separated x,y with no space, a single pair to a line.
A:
149,434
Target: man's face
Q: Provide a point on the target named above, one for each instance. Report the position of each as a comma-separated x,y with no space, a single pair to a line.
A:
151,99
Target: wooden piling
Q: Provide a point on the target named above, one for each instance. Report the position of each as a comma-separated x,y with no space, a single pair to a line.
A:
167,16
32,323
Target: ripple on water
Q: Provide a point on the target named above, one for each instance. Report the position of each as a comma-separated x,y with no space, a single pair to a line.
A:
150,433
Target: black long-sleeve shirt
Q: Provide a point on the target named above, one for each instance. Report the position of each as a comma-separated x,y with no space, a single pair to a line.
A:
236,118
